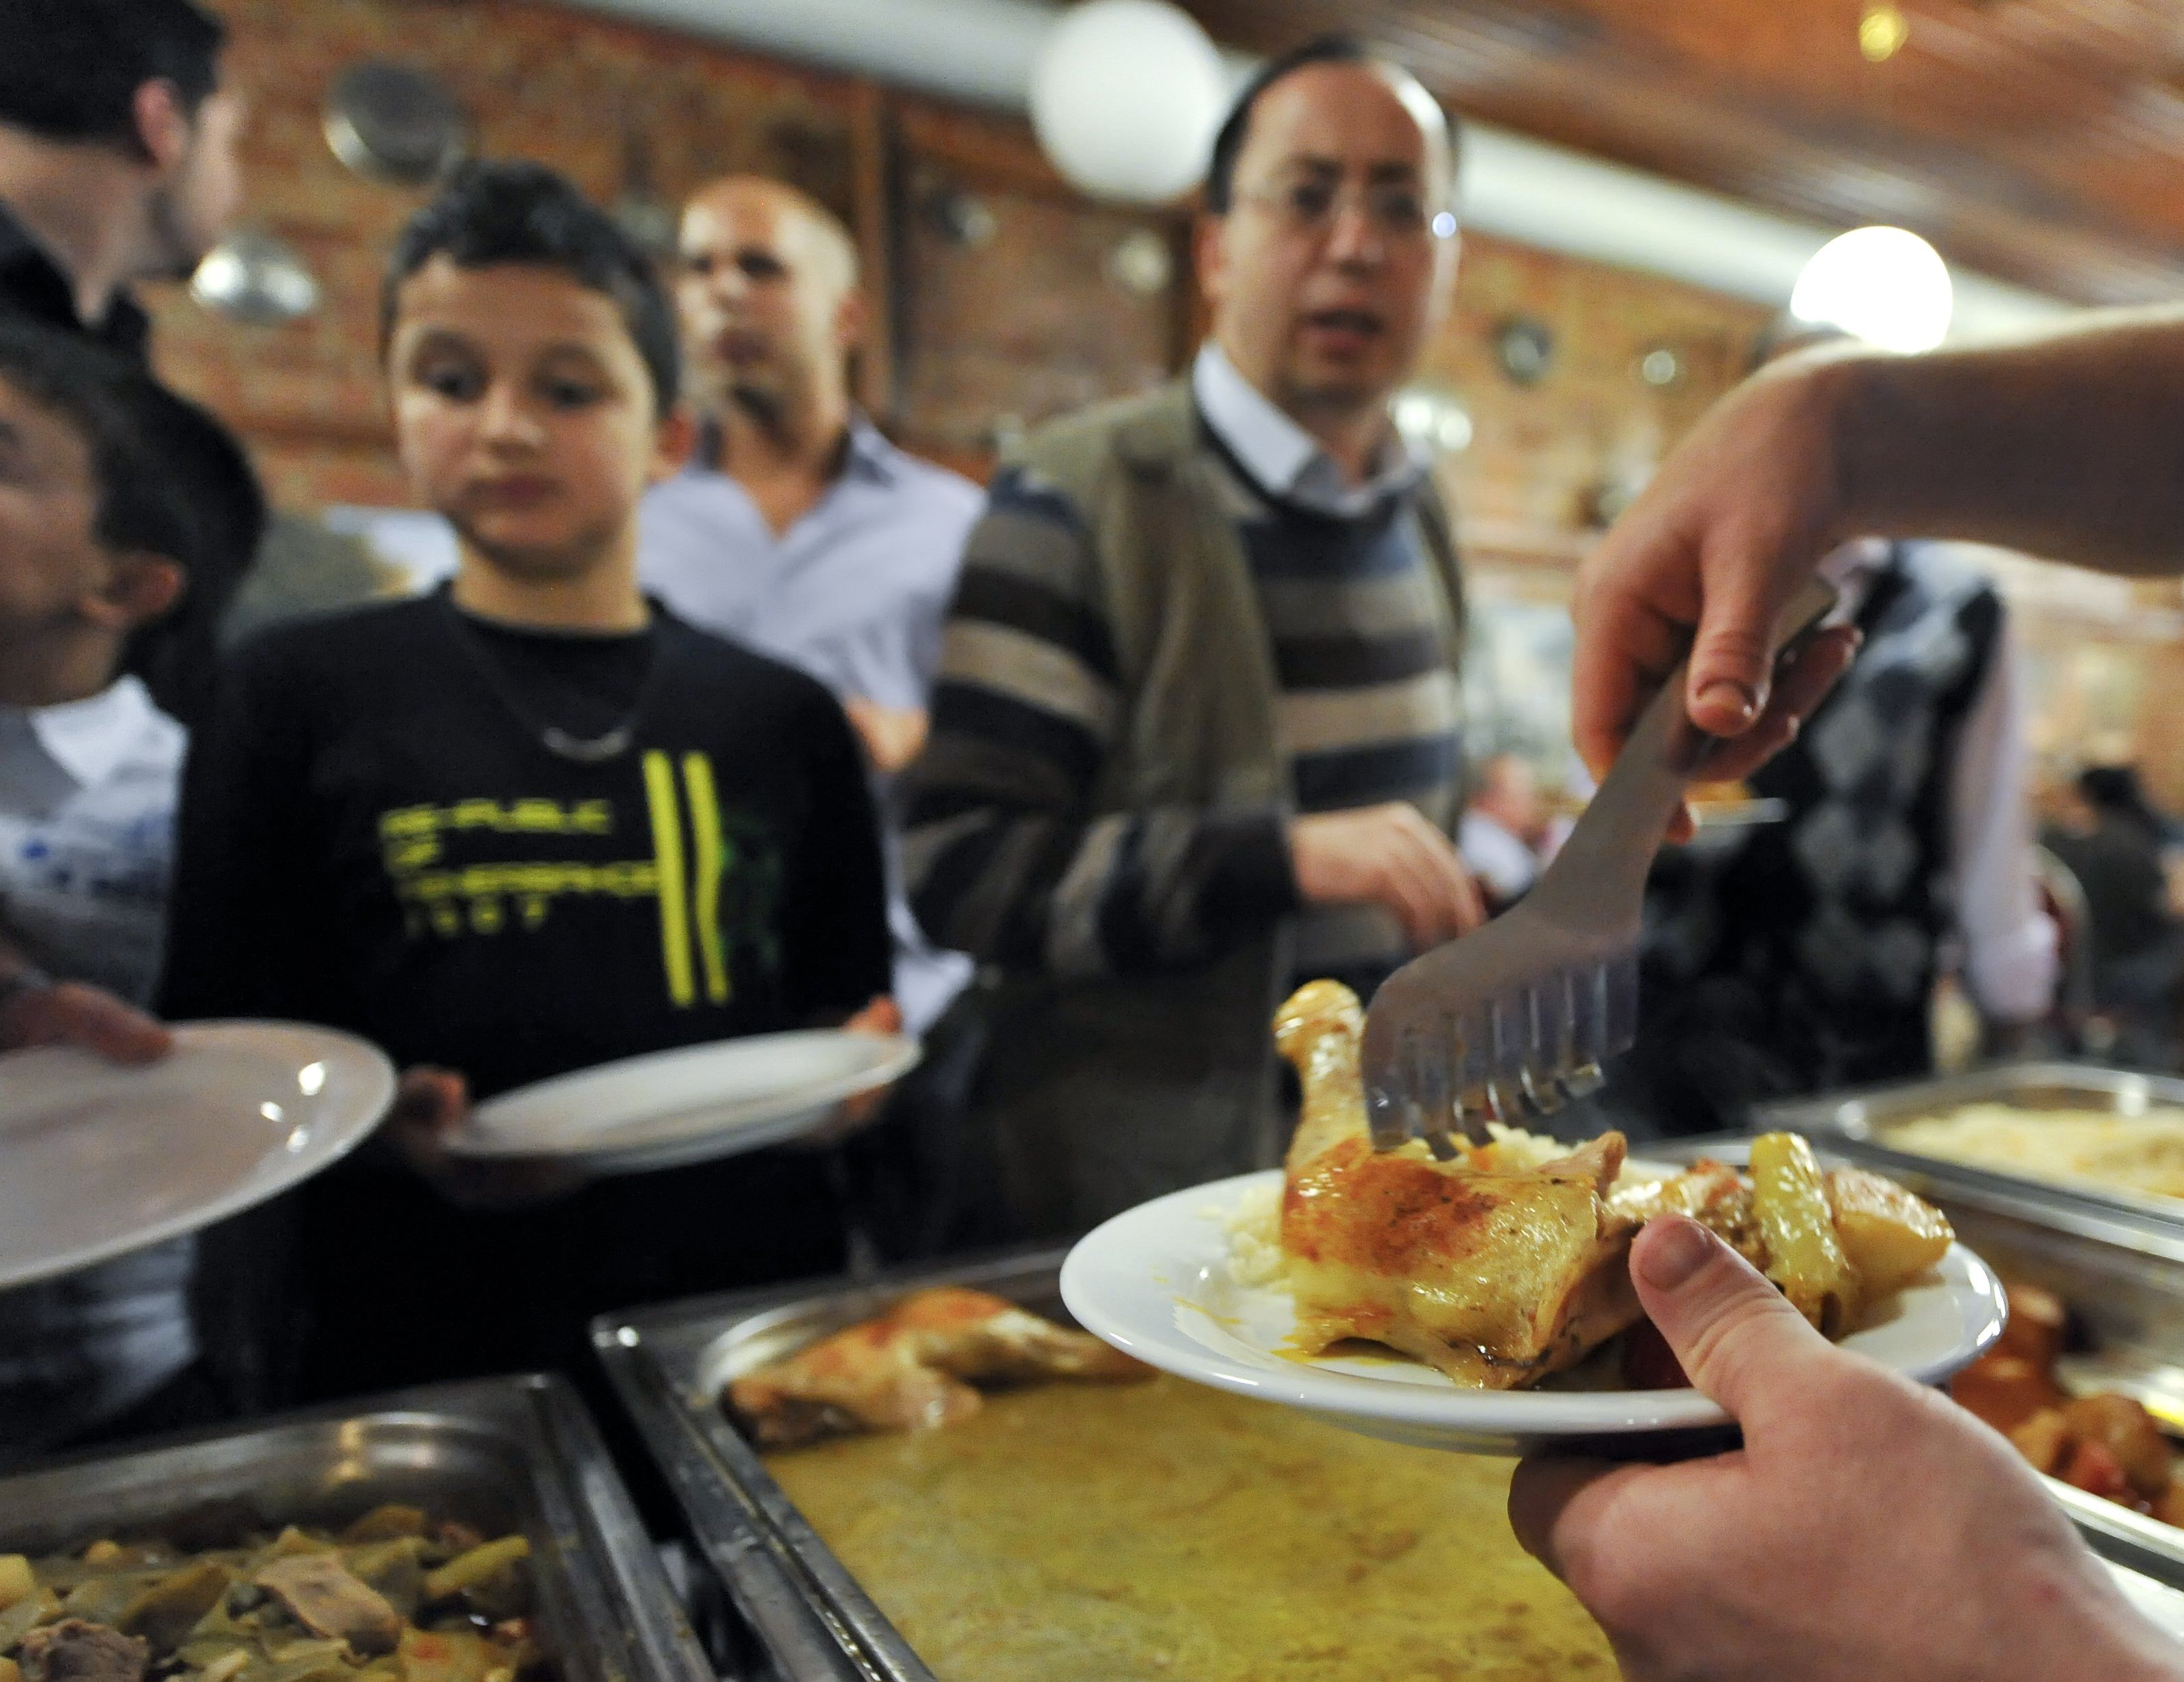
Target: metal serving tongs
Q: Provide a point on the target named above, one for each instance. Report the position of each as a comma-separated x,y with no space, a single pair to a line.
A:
1514,1019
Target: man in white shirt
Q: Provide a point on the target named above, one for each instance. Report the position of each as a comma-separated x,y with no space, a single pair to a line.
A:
798,529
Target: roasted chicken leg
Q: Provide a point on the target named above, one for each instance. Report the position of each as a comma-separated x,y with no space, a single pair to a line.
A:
1496,1276
913,1368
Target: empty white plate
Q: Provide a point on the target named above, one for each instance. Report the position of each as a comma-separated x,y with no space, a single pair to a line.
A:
1155,1282
96,1160
688,1104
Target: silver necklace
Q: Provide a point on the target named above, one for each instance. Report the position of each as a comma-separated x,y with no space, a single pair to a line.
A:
601,749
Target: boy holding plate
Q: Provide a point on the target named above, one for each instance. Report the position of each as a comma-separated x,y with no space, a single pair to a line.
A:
527,824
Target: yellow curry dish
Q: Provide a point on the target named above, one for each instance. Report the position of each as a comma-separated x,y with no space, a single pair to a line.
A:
2143,1153
1165,1530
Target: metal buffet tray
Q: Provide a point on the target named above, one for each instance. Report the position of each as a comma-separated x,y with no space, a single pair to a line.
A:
669,1364
2124,1280
2123,1283
502,1454
1857,1125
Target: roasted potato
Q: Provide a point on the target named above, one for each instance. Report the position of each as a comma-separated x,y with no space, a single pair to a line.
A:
2005,1390
2129,1434
2043,1439
1804,1255
1889,1235
2038,1324
16,1580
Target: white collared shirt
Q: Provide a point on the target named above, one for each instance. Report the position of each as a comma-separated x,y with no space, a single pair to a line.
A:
1286,460
854,594
87,796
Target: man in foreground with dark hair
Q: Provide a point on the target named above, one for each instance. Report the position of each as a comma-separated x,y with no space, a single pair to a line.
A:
1197,730
118,163
117,156
112,524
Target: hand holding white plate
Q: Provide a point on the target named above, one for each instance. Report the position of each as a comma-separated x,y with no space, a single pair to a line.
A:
690,1105
1157,1283
96,1160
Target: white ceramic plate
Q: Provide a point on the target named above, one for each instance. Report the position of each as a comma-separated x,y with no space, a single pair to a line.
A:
1155,1282
96,1160
688,1104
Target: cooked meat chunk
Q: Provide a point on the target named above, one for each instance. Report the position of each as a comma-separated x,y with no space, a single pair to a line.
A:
74,1651
1497,1278
914,1368
318,1590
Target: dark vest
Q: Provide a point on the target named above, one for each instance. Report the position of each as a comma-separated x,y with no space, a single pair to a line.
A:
1801,956
1101,1094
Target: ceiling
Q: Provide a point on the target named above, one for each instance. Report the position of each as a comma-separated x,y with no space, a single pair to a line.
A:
2041,141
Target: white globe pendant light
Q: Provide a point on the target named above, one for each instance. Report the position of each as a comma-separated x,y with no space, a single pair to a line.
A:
1125,98
1886,286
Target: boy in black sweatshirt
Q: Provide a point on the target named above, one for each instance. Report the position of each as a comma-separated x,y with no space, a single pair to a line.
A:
526,824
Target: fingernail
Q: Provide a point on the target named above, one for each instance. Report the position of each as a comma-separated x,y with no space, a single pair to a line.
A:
1732,697
1676,1248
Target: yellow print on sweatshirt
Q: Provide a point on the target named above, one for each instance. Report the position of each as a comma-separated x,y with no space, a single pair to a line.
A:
693,853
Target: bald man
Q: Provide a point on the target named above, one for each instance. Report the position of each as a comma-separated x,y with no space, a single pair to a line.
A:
798,529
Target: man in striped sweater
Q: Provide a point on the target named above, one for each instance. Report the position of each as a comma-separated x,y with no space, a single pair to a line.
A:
1197,732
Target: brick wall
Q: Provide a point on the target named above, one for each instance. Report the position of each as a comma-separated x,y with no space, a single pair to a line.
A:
1017,315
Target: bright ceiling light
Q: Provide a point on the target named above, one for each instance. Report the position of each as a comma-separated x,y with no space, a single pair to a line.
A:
1881,32
1125,98
1886,286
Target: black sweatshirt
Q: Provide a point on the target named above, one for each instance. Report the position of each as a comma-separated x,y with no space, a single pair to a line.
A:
374,835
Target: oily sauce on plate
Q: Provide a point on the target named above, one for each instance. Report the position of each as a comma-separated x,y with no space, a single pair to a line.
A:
1167,1530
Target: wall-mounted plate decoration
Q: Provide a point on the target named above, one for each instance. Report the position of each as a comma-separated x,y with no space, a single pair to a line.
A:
1140,264
394,124
252,276
1524,349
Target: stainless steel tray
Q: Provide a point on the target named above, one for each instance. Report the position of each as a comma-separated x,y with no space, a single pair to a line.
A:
1858,1124
2125,1284
670,1364
504,1454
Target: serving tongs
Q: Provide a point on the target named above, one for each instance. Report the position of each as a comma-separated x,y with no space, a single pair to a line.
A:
1514,1019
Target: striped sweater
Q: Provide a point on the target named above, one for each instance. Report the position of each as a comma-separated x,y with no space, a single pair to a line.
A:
1006,858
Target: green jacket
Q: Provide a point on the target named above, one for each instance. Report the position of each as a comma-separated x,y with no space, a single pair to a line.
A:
1097,1094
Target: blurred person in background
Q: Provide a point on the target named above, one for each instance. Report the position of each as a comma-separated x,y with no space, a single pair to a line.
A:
799,531
1198,731
118,156
2113,841
1502,830
1789,957
797,528
122,509
118,163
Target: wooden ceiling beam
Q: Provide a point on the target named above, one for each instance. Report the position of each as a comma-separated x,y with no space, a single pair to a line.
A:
2041,140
